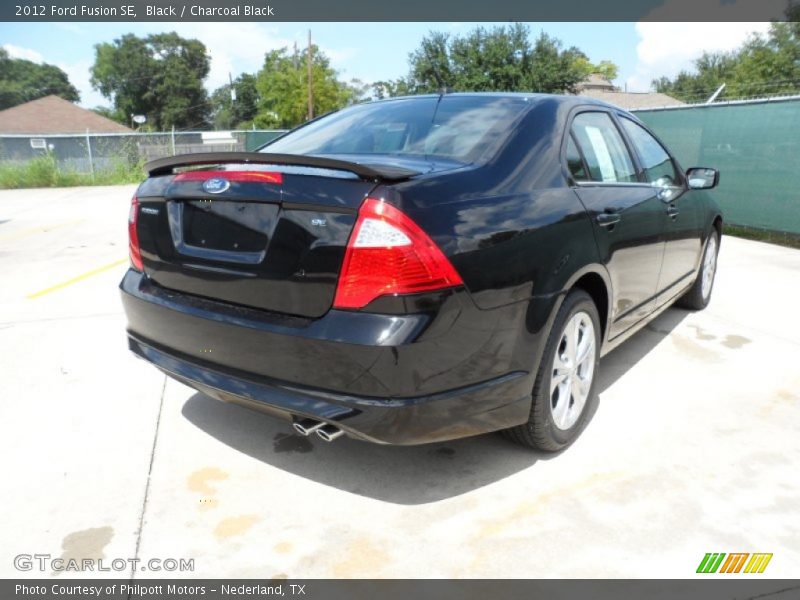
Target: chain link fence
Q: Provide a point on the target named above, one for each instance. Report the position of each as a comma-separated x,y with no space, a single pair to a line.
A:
756,146
754,143
99,153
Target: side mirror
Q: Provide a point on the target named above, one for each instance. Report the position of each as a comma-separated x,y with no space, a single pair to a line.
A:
701,178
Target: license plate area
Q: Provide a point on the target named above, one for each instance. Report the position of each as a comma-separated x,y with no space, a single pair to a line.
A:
235,232
229,226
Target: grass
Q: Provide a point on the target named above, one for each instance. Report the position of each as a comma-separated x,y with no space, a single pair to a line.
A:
43,171
780,238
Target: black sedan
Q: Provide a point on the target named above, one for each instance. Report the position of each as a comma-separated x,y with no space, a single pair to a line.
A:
419,269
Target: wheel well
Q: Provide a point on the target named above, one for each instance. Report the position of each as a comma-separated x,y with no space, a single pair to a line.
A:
593,284
717,224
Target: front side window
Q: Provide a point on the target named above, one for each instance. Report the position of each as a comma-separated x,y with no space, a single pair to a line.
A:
658,165
603,148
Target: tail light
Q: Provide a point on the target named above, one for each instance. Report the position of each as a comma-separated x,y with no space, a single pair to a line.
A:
389,254
133,237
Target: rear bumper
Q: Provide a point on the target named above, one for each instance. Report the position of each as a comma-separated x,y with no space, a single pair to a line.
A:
454,414
396,379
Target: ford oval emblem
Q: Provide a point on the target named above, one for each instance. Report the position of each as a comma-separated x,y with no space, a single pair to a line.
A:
216,185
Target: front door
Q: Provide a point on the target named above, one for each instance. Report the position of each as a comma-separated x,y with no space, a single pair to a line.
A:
627,215
681,211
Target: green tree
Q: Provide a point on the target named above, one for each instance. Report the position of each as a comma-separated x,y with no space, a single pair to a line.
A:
606,68
283,88
23,80
392,88
159,76
553,70
712,70
113,114
238,113
498,59
764,65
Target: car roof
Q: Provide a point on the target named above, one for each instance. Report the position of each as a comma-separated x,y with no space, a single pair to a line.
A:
532,96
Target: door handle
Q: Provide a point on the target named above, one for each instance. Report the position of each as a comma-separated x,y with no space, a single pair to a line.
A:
607,219
672,211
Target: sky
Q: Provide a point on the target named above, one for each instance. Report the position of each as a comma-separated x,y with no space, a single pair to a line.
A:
373,51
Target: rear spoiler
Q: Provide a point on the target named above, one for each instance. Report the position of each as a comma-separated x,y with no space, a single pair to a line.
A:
164,166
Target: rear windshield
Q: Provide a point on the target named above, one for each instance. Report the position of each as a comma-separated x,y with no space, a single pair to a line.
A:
460,128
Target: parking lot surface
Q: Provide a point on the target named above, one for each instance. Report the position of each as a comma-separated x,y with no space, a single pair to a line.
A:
693,448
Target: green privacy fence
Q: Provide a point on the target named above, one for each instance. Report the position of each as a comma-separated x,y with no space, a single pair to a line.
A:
255,139
756,147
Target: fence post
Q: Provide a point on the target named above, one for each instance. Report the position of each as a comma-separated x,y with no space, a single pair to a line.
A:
89,150
173,140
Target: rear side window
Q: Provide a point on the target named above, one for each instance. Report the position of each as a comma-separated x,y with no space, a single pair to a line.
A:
658,165
605,152
575,161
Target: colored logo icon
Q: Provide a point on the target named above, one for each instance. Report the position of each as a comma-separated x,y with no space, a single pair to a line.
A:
737,562
216,185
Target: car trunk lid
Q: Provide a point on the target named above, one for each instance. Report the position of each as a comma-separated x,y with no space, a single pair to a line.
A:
263,231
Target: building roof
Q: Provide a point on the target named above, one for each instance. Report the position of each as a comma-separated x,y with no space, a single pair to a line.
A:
595,81
53,115
632,100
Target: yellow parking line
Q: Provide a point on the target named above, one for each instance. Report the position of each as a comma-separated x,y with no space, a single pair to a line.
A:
81,277
25,232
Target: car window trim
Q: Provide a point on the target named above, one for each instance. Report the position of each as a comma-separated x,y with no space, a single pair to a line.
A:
584,164
587,108
681,176
627,184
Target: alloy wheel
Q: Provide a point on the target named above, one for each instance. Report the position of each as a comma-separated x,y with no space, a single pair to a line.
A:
709,266
573,370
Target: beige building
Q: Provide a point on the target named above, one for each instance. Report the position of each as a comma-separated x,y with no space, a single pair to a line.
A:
598,87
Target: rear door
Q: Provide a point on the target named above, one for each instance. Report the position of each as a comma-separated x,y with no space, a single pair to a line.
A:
271,238
626,214
681,212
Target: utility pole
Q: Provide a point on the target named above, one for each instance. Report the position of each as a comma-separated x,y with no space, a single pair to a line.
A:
310,82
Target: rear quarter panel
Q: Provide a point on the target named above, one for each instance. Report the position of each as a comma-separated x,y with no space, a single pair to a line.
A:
512,228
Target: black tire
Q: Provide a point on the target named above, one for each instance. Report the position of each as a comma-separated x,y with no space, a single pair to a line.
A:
541,431
694,299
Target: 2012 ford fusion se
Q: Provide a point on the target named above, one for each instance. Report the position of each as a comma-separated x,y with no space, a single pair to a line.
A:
419,269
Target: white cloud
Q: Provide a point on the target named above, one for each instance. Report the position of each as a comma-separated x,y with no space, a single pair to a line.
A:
234,47
26,53
338,56
665,49
79,75
237,48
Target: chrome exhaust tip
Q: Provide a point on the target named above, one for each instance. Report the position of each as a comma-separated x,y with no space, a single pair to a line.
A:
307,426
329,433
